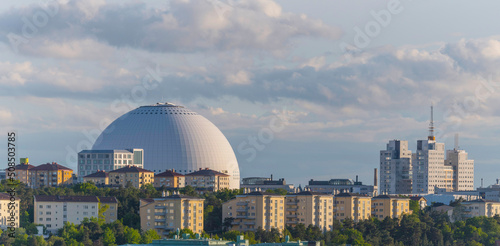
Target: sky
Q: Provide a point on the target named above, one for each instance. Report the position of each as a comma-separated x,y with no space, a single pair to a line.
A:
322,85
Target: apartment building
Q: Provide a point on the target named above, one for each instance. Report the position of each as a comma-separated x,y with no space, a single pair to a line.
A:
53,211
22,172
169,179
481,207
255,209
350,205
9,211
396,168
390,206
50,175
309,208
463,169
90,161
99,178
137,176
170,213
208,179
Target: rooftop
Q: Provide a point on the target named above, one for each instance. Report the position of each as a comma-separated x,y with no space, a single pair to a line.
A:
206,172
349,195
169,173
50,167
23,166
98,174
130,169
389,197
44,198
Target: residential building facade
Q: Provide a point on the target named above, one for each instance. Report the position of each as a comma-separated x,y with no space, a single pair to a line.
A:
481,207
463,169
390,206
137,176
264,184
256,209
22,173
50,175
396,168
170,213
169,179
309,208
208,179
91,161
350,205
9,211
53,211
99,178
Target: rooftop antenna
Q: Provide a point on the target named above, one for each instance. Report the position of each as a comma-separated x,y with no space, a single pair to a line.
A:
456,141
431,125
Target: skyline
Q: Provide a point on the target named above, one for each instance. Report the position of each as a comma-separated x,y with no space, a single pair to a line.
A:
239,64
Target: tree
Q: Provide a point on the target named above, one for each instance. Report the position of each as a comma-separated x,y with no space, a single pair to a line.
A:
132,236
149,235
108,238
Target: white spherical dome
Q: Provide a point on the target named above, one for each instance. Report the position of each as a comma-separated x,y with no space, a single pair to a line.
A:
172,137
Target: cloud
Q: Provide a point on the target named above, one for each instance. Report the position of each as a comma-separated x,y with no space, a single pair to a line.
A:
187,26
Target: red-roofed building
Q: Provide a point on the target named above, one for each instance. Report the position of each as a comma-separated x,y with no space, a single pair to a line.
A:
208,179
169,179
50,175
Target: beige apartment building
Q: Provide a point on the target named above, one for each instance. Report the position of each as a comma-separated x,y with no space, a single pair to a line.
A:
9,211
255,209
50,175
208,179
53,211
98,178
169,179
22,172
310,208
390,206
481,207
137,176
170,213
350,205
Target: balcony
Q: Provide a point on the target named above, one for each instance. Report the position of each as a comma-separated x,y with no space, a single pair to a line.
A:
235,223
241,203
241,216
291,209
291,203
160,207
291,216
160,220
241,209
249,223
291,222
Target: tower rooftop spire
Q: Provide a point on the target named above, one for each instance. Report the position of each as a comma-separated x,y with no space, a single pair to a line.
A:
431,125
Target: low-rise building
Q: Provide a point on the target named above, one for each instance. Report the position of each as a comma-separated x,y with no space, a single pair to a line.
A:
481,207
264,184
256,209
99,178
310,208
9,211
22,173
137,176
354,206
53,211
170,213
208,179
50,175
390,206
169,179
337,186
422,202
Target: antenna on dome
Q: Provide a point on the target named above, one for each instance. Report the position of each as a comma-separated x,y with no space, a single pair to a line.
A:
431,125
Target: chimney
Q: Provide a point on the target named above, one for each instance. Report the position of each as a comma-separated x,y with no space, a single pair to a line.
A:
271,177
375,181
356,178
481,182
